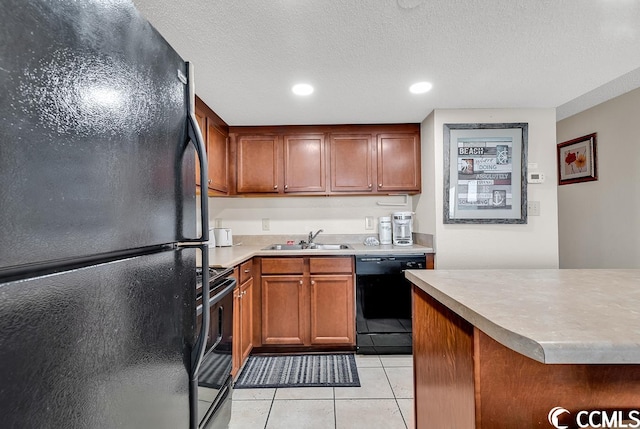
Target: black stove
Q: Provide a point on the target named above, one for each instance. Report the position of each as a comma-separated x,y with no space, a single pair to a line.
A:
216,274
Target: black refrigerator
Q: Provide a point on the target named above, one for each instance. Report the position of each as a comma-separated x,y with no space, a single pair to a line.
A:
98,237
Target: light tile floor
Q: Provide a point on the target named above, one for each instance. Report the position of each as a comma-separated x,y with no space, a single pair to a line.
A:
384,400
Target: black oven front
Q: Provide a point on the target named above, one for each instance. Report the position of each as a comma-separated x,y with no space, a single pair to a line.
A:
214,375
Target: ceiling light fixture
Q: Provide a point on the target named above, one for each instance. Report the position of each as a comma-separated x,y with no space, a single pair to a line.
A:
302,89
420,87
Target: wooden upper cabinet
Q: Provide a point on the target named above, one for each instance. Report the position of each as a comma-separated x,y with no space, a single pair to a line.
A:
258,163
351,163
326,159
304,163
399,163
218,158
215,133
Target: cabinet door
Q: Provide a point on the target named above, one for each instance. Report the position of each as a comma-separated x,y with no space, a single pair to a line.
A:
351,163
246,319
398,163
236,351
218,158
304,163
332,314
258,164
283,312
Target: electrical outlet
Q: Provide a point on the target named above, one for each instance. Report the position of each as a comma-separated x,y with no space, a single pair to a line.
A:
266,224
533,208
368,222
217,222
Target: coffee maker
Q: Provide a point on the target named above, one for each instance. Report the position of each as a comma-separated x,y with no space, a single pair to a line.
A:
402,228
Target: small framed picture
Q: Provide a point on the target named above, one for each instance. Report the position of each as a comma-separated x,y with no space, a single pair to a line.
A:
577,160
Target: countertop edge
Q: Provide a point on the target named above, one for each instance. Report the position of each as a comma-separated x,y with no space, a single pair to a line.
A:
523,345
234,255
575,343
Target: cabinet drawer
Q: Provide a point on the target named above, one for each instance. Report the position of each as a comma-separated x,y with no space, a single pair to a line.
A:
330,265
282,266
246,271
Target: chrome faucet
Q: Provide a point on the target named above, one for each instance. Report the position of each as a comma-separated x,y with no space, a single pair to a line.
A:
312,236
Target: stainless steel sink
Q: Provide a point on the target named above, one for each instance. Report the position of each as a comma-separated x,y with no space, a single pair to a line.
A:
284,247
312,246
330,246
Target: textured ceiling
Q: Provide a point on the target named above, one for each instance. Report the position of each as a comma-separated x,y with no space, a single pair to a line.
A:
362,55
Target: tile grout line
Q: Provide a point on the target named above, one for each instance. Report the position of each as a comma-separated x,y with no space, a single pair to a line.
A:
395,398
270,407
335,415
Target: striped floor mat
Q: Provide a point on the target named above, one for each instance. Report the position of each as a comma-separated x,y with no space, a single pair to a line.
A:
308,370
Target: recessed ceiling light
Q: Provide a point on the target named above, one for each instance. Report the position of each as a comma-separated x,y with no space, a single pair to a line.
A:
420,87
302,89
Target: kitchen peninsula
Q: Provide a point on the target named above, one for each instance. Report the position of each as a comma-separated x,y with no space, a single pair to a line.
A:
501,348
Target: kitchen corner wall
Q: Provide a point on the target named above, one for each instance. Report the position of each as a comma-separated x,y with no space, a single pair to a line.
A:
299,215
599,221
458,246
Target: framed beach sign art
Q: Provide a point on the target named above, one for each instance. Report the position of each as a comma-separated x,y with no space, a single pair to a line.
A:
577,160
485,170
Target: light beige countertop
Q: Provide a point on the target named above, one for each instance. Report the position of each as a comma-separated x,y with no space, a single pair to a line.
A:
234,255
552,316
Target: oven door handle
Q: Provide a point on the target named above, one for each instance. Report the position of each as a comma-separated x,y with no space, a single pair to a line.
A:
229,285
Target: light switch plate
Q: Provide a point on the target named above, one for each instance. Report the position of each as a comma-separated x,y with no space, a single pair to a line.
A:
266,224
533,208
368,222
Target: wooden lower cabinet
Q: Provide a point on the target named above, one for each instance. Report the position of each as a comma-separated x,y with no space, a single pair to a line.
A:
242,316
313,305
246,319
283,310
332,318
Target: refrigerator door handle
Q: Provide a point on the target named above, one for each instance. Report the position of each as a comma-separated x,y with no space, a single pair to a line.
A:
201,341
195,137
199,347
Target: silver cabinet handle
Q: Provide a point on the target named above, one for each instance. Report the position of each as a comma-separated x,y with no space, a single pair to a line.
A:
300,282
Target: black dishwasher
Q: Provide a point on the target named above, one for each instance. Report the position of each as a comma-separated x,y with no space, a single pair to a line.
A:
383,303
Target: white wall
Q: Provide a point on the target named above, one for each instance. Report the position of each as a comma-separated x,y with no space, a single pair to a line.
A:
299,215
458,246
599,222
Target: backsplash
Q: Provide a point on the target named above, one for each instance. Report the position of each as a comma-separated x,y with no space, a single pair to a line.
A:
265,240
299,215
